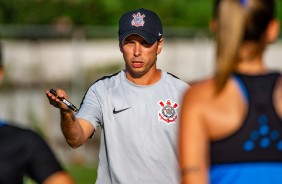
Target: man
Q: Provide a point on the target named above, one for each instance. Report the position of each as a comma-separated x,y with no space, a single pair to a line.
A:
137,109
25,153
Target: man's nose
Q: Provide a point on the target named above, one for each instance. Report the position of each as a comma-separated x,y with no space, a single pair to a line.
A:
137,49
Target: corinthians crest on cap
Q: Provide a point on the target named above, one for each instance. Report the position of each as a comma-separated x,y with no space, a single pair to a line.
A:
142,22
168,112
138,20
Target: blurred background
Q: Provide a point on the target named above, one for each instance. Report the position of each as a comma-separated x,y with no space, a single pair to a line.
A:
69,44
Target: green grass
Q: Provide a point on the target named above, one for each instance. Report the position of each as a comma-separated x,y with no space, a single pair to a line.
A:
83,174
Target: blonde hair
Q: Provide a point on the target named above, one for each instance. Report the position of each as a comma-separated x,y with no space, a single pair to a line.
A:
238,21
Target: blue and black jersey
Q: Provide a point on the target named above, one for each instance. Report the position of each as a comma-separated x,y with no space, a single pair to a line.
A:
253,154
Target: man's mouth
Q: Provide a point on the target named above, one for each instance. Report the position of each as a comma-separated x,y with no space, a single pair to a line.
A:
137,64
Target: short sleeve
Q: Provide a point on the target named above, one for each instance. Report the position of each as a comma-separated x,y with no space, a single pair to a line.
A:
42,162
90,108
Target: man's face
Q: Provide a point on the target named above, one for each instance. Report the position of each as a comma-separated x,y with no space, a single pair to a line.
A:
139,56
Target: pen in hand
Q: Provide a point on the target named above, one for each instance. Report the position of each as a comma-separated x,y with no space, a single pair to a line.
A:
69,104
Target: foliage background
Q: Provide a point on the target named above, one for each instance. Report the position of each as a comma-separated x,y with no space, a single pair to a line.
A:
188,13
33,18
102,12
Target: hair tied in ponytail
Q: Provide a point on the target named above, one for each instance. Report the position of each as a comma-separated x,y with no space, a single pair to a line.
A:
244,3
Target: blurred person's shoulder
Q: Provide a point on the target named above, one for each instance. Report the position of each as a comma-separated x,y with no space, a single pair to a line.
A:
18,133
201,89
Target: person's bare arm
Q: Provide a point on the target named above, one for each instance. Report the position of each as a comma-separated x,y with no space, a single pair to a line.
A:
59,178
193,143
76,131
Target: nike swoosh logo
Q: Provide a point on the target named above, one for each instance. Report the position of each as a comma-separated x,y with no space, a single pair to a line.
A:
116,112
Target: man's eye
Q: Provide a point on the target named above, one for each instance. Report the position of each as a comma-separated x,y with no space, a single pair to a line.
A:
145,43
128,42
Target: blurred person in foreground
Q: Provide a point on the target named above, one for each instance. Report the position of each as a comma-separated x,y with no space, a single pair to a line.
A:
25,153
231,124
137,109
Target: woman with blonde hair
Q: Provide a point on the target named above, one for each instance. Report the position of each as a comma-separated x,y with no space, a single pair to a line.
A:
231,124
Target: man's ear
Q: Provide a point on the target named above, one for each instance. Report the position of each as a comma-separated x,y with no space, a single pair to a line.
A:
272,31
160,45
213,25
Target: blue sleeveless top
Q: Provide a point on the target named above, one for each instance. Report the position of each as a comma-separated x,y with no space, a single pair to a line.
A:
253,154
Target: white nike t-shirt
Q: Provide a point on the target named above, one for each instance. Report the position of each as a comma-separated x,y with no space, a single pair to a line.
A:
139,128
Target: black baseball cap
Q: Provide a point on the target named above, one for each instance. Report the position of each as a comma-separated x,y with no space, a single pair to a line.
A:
142,22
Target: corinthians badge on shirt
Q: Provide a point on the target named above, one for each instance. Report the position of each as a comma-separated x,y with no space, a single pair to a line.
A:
168,111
